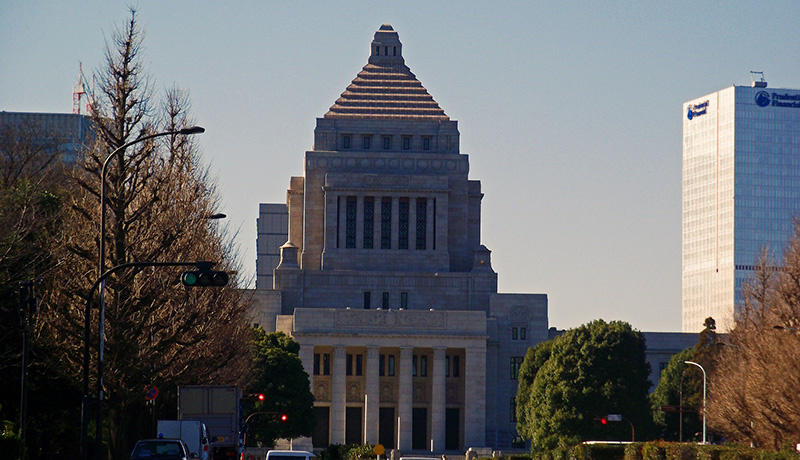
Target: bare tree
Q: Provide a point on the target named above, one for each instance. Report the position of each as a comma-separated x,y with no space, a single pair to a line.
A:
158,197
754,390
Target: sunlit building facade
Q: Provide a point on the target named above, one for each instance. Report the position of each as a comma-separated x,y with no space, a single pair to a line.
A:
375,266
741,191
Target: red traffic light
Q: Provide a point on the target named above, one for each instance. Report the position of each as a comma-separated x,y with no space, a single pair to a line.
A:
603,421
260,396
284,417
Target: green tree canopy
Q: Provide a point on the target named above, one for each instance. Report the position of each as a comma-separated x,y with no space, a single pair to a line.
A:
278,373
588,372
678,387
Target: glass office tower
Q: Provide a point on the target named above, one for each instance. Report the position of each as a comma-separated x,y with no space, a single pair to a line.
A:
741,190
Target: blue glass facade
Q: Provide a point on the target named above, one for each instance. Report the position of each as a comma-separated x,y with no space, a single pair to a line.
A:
741,190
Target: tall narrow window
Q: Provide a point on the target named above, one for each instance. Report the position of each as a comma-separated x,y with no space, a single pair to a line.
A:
345,142
385,300
414,366
359,364
367,300
406,143
402,220
423,365
422,222
404,300
512,409
390,366
426,143
369,222
326,364
514,333
316,363
387,142
349,364
366,142
456,366
386,223
381,365
523,334
447,366
516,362
350,223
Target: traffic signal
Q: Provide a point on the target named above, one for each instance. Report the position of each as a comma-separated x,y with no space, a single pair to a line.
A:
602,420
284,418
260,396
204,278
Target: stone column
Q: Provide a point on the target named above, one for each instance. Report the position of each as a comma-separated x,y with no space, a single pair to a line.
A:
307,358
412,223
360,222
330,223
372,403
475,397
404,400
376,228
438,389
338,396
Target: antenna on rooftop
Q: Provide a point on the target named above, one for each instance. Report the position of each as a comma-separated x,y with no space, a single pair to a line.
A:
78,92
760,83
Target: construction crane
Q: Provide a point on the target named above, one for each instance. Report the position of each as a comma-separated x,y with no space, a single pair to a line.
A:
79,90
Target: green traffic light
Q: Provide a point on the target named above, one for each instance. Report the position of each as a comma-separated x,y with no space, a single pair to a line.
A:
190,278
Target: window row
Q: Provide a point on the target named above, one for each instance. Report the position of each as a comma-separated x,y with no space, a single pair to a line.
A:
519,333
354,365
389,215
387,142
385,300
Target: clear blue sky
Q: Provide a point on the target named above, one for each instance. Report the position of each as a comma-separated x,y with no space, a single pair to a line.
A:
570,112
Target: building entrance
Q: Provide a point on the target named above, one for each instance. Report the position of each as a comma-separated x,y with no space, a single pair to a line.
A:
419,428
386,433
353,425
319,438
452,429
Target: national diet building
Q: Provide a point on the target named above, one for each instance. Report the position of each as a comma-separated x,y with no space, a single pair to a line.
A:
375,266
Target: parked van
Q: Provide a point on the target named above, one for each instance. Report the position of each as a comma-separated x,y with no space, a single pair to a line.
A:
289,455
192,432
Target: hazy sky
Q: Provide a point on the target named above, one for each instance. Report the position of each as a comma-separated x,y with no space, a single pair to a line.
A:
570,112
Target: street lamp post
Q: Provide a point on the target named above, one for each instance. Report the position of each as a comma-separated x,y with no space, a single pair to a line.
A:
99,282
704,396
101,259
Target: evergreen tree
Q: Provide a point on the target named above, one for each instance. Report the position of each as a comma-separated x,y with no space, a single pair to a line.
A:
278,374
588,372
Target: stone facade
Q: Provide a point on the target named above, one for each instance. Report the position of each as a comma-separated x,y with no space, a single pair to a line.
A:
383,280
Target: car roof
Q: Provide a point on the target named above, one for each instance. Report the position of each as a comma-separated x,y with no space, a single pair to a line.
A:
298,453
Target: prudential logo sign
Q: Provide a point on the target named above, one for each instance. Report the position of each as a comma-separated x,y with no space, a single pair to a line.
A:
695,110
765,99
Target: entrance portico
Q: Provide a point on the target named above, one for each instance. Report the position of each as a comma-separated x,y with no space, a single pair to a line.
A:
396,377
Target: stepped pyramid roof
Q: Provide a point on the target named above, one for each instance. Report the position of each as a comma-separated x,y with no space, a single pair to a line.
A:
385,88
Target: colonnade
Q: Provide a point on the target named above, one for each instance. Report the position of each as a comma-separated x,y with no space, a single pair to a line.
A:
472,410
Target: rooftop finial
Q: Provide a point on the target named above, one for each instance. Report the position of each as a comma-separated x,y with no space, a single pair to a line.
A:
386,48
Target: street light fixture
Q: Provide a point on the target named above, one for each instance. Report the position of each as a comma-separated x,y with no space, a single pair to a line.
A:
704,396
101,328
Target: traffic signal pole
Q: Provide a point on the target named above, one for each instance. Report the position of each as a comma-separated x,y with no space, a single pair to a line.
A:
86,348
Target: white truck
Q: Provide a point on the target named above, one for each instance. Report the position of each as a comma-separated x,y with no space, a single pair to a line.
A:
217,406
191,432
